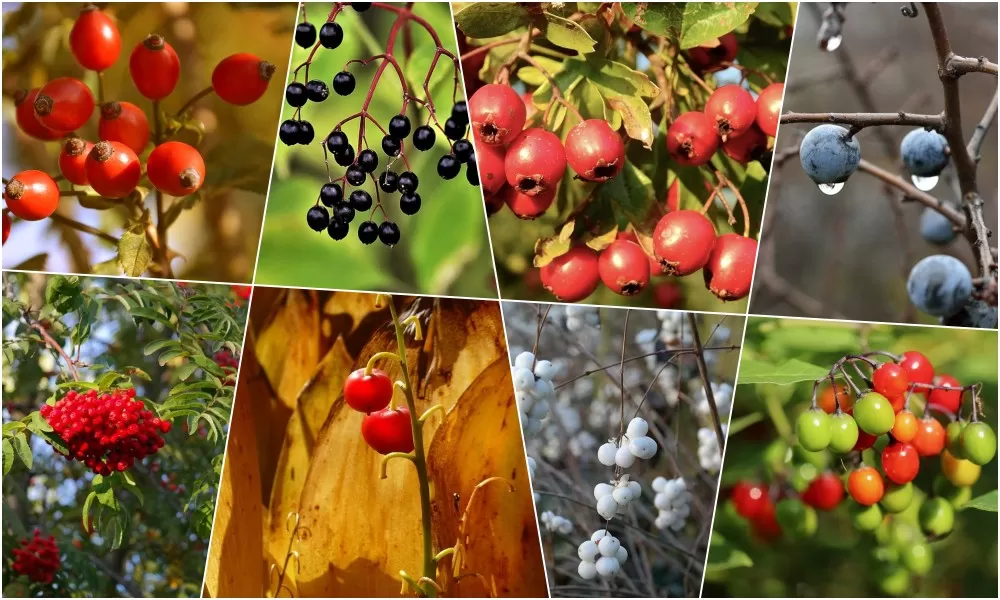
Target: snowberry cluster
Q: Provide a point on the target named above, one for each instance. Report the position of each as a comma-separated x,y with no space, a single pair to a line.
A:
533,390
107,432
635,444
673,501
228,363
613,498
722,393
361,162
709,455
38,558
556,523
578,317
601,556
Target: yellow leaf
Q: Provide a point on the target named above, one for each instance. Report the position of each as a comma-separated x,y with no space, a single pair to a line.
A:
288,347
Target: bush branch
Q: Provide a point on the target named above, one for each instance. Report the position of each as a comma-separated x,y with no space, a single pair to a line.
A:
859,121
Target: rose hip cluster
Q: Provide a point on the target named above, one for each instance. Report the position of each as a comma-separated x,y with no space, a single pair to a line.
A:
339,207
37,558
106,431
385,429
111,166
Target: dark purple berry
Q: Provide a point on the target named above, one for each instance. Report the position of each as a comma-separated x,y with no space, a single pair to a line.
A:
361,200
368,160
408,182
288,133
305,34
318,218
423,138
331,193
472,171
388,232
355,175
460,112
454,130
343,83
338,229
463,151
317,91
391,146
399,127
343,212
337,141
409,203
361,6
306,133
368,232
345,157
448,167
388,182
331,35
295,94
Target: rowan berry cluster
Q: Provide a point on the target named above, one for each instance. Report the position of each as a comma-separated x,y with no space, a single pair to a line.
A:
37,558
229,363
106,431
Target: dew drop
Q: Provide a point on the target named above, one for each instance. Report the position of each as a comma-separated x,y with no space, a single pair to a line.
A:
833,43
924,184
831,188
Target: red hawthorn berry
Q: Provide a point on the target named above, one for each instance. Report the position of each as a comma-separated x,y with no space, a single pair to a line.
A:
732,109
490,162
242,78
124,122
710,58
624,267
495,202
674,196
749,146
949,400
388,430
497,114
655,268
825,492
94,39
668,295
73,160
769,108
918,369
6,226
27,120
729,270
524,206
175,169
64,104
31,195
535,161
572,276
113,169
594,150
154,67
692,139
889,379
683,241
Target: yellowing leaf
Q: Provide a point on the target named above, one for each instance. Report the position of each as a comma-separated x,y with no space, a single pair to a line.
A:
288,347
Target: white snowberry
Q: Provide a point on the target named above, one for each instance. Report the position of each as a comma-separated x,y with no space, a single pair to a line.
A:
608,566
624,457
587,570
636,489
601,490
642,447
609,545
599,535
606,454
637,427
545,370
523,378
622,495
524,360
622,555
588,551
607,507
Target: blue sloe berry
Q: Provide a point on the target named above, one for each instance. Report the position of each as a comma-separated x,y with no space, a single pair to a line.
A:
828,155
936,228
939,285
925,153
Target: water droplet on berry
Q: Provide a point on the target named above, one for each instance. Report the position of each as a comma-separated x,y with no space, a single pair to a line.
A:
924,184
833,43
831,188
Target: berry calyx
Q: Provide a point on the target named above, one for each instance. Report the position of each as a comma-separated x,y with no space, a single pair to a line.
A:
176,169
692,139
683,241
73,160
64,104
388,430
124,122
865,485
769,108
624,267
733,110
27,120
154,67
94,39
31,195
241,78
594,150
535,161
497,114
113,169
572,276
729,269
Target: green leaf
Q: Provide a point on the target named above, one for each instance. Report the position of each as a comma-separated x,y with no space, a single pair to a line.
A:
38,425
185,371
63,293
86,509
158,345
23,449
134,251
491,19
567,34
8,457
623,90
791,371
108,267
738,425
689,23
986,502
148,313
13,426
109,380
722,556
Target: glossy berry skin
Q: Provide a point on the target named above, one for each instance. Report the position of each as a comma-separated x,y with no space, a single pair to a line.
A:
594,150
360,200
749,499
843,432
900,462
705,58
241,78
535,161
624,267
825,492
953,438
64,104
331,193
343,83
306,133
388,233
388,431
453,129
959,471
368,160
572,276
94,39
897,498
655,268
460,112
490,162
828,155
399,127
812,429
409,204
318,218
305,35
524,206
448,167
904,428
829,395
113,169
769,108
408,182
936,228
497,114
472,171
889,379
337,229
6,226
154,67
931,437
946,399
668,295
31,195
733,111
331,35
865,485
924,153
355,175
937,517
747,147
337,142
683,241
295,94
368,232
73,160
979,442
343,212
124,122
874,413
463,150
424,138
176,169
729,270
388,181
918,369
865,441
391,146
692,139
27,120
939,285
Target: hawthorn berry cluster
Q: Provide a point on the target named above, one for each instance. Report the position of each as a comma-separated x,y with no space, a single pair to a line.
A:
37,558
107,431
385,429
112,166
339,207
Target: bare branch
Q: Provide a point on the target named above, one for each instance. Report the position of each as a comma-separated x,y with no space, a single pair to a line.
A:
859,121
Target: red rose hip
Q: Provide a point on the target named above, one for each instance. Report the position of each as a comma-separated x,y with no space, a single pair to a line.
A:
388,430
624,267
769,108
535,161
73,160
176,169
729,270
113,169
64,104
94,39
594,151
368,393
242,78
31,195
497,114
124,122
27,120
154,67
683,241
732,109
692,139
573,276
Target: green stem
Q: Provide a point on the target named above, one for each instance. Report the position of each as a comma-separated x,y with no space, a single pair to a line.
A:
419,459
778,417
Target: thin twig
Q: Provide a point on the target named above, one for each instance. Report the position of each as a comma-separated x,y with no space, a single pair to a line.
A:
703,371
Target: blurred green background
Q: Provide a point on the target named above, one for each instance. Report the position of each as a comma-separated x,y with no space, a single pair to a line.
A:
840,561
443,249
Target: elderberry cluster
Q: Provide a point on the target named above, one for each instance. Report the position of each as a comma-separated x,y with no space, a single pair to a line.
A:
107,432
37,558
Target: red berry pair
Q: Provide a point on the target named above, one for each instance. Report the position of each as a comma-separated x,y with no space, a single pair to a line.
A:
385,429
753,502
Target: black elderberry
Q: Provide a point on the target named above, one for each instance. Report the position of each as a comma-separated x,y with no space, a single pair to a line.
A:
305,34
388,232
361,6
318,218
345,157
391,146
448,167
408,182
460,112
295,94
361,200
337,142
343,212
453,129
288,133
331,193
388,182
343,83
355,175
472,171
409,203
367,232
368,160
317,91
462,149
338,229
399,127
306,133
423,138
331,35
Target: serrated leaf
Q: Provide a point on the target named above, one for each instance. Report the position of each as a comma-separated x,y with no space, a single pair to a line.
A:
689,23
567,34
38,424
23,449
134,252
491,19
791,371
987,502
